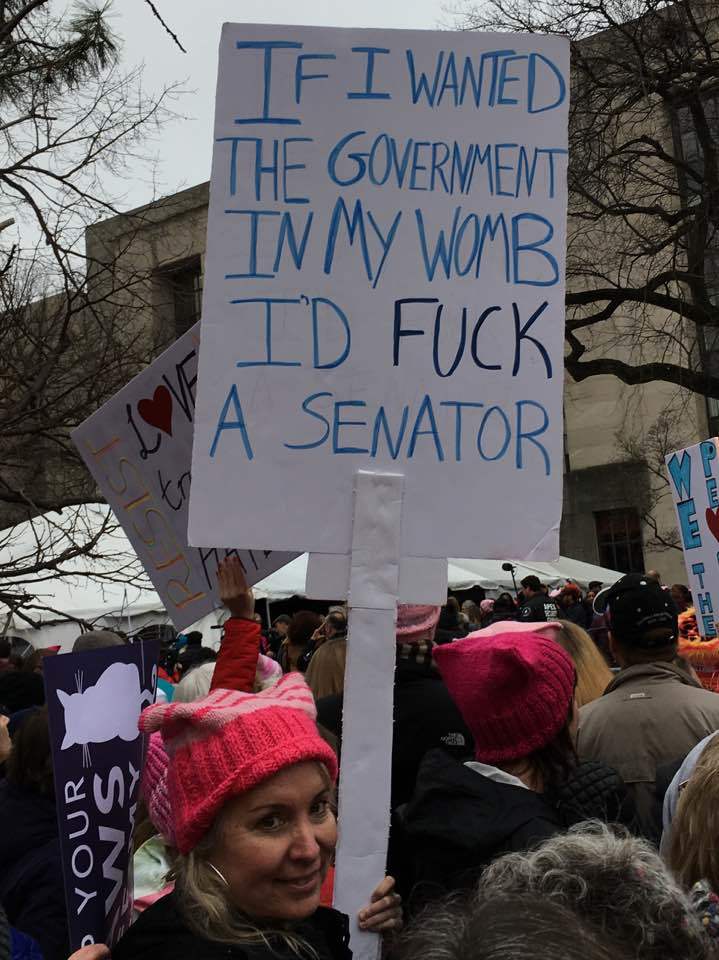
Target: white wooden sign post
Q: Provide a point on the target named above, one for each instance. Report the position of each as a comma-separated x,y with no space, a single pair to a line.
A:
367,745
381,362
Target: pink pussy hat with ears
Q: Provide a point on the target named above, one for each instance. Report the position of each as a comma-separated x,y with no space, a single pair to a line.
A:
416,622
514,689
229,742
516,626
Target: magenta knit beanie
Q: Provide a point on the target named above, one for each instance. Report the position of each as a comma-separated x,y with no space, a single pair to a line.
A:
229,742
416,622
513,689
153,787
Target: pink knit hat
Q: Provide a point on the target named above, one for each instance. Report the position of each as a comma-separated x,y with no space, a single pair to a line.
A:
154,788
513,689
268,672
229,742
416,622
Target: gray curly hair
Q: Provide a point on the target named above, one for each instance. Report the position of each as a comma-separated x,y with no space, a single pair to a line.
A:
616,884
502,928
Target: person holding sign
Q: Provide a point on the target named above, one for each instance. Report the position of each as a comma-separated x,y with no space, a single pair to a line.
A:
251,787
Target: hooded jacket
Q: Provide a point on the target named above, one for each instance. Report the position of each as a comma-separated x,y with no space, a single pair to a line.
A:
31,885
425,717
650,714
161,933
459,821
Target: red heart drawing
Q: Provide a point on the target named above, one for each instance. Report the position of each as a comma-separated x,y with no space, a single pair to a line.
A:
713,521
158,411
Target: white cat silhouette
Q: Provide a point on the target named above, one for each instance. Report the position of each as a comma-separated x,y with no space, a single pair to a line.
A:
106,710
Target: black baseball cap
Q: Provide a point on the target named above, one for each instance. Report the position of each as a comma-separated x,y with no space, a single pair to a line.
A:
637,606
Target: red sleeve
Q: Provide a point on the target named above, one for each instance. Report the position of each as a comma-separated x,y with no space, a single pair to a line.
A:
237,660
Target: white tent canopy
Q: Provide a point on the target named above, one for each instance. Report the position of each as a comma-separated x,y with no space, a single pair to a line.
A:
106,587
462,574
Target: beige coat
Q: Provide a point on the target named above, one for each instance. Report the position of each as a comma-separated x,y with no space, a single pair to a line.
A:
649,715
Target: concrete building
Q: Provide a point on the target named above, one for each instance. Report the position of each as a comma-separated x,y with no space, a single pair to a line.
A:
608,488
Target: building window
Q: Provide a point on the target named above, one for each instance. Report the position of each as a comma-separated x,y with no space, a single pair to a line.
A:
180,293
619,538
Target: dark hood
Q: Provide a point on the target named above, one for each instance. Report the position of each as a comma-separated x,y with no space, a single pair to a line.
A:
29,821
454,806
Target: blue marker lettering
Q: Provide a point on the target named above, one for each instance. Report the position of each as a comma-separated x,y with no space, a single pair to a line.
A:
267,46
318,416
507,434
520,333
338,423
233,402
301,76
340,314
369,93
531,435
535,247
681,473
688,524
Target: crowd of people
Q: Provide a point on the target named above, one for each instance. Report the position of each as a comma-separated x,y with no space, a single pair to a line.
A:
555,777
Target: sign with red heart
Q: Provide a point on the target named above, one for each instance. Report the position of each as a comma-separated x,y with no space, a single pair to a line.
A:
712,519
145,478
158,411
694,484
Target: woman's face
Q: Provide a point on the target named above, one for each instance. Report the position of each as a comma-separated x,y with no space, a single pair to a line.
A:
275,844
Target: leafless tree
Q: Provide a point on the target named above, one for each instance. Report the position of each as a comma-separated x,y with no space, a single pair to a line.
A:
650,447
73,126
643,255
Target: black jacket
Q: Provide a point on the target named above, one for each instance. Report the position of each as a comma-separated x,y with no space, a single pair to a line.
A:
459,821
31,887
595,791
160,933
425,717
539,609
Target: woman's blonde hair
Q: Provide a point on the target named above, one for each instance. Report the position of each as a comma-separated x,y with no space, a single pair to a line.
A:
325,674
693,852
202,896
593,674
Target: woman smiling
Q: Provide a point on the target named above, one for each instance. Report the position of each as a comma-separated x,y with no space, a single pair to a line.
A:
251,786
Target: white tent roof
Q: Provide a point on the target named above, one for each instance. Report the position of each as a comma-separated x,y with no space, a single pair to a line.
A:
104,588
462,574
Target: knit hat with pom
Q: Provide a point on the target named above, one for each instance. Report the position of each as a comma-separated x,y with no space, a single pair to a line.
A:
229,742
513,689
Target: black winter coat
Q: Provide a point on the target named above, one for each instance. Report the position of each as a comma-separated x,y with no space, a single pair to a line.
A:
160,933
31,886
595,791
459,821
425,717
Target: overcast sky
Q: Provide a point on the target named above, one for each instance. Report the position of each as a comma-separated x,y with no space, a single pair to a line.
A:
185,147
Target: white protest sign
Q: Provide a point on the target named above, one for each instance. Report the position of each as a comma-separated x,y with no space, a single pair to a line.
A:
384,289
138,449
693,476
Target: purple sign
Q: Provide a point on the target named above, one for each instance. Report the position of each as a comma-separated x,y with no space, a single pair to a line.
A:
94,700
